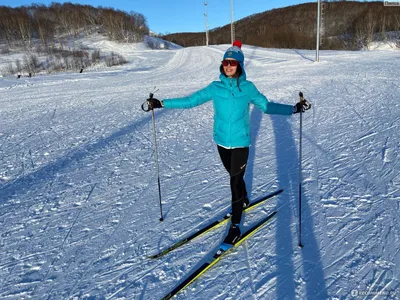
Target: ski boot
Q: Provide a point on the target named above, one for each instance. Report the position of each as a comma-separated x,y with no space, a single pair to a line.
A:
233,234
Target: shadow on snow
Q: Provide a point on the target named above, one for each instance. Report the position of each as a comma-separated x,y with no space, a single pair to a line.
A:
48,172
287,176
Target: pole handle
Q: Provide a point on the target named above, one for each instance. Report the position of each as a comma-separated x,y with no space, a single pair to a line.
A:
144,108
306,104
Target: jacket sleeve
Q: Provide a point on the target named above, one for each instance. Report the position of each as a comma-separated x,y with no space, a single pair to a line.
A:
267,107
198,98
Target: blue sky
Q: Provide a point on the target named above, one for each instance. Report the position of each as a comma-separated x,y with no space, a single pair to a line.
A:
178,15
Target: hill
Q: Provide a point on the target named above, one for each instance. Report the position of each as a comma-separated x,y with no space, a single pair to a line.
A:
49,24
347,25
70,37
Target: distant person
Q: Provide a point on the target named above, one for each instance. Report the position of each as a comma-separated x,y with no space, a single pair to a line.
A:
231,97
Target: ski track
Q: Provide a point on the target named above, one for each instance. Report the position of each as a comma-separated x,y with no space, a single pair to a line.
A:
78,191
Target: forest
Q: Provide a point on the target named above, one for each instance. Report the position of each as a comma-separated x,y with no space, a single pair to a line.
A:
48,23
347,25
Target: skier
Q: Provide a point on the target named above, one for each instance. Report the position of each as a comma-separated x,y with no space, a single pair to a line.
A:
231,97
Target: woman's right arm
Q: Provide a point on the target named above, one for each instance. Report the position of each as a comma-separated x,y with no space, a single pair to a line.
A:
198,98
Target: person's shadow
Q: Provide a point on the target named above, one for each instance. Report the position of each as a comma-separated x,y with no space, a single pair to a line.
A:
287,203
287,171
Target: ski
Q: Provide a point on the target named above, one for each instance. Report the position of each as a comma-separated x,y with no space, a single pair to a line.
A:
223,250
214,224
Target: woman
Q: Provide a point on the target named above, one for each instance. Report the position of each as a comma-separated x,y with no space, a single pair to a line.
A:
231,97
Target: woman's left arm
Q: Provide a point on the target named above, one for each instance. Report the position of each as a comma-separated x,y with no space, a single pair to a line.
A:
267,107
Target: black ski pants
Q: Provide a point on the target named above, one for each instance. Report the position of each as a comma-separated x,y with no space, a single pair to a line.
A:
235,161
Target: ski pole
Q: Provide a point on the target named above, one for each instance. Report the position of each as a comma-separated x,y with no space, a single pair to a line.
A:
300,167
306,106
158,167
156,153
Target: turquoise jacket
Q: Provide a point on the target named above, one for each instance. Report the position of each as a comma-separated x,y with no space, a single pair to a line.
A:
231,99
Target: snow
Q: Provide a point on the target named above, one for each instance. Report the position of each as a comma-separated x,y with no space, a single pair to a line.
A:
391,41
383,45
79,208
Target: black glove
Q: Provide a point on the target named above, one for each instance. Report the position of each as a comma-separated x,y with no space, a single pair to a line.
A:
154,103
301,107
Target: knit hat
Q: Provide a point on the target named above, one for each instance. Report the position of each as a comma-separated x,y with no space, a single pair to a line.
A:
235,52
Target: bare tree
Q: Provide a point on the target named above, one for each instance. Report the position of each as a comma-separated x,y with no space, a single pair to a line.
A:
92,18
26,64
6,25
44,23
18,65
365,29
95,56
24,25
34,62
10,69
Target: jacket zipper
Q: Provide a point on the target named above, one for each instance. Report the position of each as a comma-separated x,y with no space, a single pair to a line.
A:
230,114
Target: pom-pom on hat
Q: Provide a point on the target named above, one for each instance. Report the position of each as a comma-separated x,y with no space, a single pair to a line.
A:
237,44
235,52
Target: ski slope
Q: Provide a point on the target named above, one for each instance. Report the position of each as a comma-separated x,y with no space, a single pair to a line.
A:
79,208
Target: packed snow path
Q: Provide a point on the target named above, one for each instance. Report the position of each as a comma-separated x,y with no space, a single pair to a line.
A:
78,189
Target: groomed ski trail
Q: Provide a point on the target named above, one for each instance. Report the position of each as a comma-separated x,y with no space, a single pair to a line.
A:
61,135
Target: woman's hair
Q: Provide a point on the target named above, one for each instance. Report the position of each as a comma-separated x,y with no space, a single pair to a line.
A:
239,71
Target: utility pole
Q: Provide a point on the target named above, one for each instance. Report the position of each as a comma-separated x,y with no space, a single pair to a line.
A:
232,25
322,22
206,21
318,28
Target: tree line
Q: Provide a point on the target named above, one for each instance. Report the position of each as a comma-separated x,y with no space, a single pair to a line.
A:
22,25
58,60
348,25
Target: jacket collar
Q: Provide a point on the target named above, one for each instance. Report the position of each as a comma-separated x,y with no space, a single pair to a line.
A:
227,81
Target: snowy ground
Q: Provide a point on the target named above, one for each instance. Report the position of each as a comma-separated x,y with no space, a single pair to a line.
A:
78,189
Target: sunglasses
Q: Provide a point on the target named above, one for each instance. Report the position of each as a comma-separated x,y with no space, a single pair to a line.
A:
227,62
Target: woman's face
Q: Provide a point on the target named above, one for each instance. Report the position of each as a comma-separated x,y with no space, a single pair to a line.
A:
229,70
